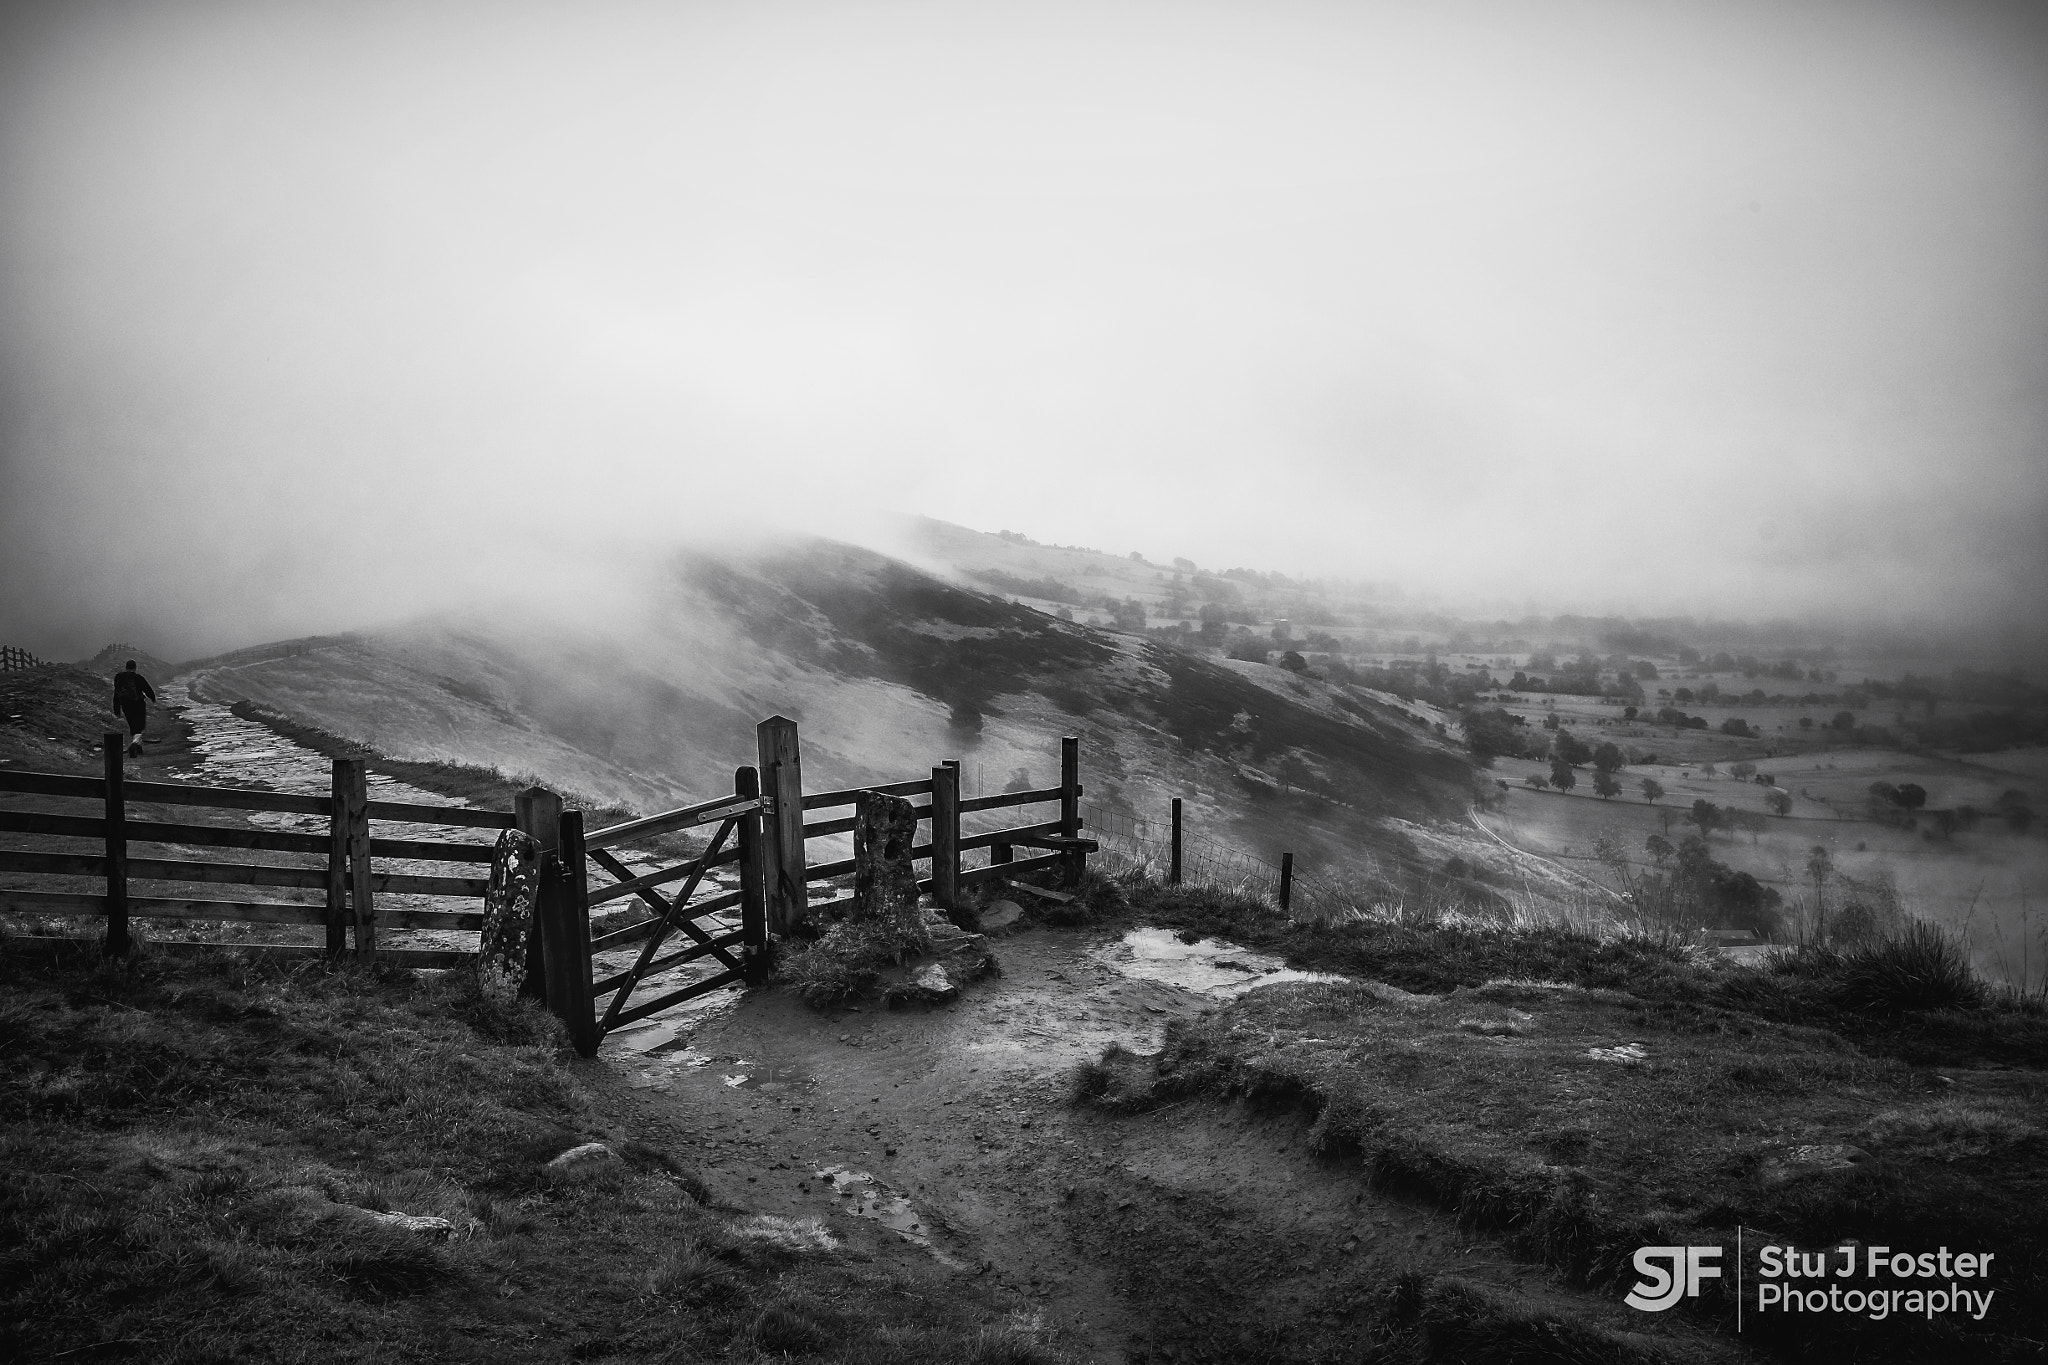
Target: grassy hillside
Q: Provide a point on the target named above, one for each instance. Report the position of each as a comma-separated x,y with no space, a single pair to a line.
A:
200,1160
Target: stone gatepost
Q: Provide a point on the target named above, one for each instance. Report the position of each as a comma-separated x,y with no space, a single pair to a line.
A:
509,898
884,876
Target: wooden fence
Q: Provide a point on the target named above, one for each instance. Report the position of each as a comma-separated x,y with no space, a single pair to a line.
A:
762,832
340,861
14,660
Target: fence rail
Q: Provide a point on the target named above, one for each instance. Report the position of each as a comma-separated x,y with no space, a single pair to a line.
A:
345,872
14,660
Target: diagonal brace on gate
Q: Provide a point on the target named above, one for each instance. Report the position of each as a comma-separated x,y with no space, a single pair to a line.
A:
667,921
661,905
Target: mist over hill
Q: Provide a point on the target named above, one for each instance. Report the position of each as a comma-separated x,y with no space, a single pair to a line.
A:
889,669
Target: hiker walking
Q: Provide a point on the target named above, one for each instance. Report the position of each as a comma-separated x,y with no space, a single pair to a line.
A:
130,688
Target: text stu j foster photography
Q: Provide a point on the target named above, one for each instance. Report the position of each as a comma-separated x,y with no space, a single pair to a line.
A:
1876,1282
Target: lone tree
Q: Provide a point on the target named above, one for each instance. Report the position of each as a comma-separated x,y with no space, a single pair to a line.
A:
1779,800
1707,816
1604,784
1561,775
1652,789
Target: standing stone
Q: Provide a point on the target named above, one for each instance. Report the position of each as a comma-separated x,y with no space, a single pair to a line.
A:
884,877
509,901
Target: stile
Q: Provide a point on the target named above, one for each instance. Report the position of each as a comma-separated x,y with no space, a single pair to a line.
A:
112,746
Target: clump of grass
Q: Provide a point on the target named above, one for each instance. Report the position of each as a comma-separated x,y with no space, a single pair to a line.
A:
847,962
1947,1132
1920,968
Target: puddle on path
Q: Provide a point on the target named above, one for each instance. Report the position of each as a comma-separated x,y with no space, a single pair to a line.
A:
869,1198
1207,966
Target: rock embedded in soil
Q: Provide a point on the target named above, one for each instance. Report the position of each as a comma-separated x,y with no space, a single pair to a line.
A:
580,1163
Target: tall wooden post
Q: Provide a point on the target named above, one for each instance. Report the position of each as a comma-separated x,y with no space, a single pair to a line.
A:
537,812
946,836
356,834
1173,872
113,744
782,788
1070,804
564,912
754,950
337,863
1286,881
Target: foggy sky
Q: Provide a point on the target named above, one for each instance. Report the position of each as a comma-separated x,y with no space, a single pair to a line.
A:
314,315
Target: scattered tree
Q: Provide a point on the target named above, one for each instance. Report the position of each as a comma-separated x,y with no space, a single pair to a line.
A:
1706,815
1607,757
1561,775
1604,784
1652,789
1570,748
1779,801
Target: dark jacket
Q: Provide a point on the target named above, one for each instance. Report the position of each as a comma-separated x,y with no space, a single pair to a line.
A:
130,689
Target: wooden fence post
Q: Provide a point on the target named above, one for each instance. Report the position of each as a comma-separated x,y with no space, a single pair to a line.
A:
537,812
946,836
1070,805
1286,880
564,913
782,787
337,863
113,744
754,948
357,832
1173,873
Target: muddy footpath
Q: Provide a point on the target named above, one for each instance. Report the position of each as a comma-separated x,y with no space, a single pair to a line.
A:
1199,1231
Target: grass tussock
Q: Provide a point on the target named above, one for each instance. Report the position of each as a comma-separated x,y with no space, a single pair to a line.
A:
847,961
208,1159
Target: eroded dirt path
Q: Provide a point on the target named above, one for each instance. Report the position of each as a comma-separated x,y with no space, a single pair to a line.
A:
1132,1237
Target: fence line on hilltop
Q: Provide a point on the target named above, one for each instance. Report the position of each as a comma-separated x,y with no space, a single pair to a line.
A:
1132,843
14,660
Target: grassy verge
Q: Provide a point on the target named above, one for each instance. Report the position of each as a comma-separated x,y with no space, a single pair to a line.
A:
194,1152
1583,1098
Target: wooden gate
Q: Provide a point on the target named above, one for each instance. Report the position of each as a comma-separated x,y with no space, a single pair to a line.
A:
727,926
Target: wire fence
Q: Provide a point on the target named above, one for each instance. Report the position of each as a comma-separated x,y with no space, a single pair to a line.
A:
1131,843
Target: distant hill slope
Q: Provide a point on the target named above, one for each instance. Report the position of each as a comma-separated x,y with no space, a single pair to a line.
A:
888,669
116,656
